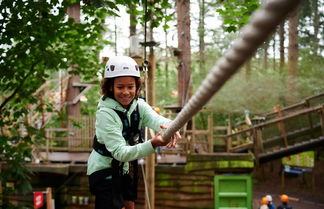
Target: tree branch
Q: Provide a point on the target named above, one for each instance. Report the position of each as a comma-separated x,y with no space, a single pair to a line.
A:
17,89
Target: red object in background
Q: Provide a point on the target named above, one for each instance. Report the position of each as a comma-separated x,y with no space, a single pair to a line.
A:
38,199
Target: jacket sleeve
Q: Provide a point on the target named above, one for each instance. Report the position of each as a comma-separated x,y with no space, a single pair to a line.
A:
109,132
150,118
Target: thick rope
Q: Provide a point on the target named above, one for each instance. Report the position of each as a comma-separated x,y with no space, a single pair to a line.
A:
263,22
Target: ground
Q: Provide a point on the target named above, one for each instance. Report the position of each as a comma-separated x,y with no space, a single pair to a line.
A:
299,187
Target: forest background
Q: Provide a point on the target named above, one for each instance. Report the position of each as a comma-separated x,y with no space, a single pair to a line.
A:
260,84
39,42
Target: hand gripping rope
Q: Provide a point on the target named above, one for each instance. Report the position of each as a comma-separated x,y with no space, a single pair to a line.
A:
262,23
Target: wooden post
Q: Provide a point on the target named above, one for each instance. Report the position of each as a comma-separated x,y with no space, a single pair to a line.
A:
48,136
72,91
183,24
191,142
281,125
282,179
260,139
210,135
322,119
150,160
313,181
310,119
256,147
229,139
49,198
42,103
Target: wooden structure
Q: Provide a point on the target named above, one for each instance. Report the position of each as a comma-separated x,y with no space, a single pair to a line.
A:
297,128
266,138
221,149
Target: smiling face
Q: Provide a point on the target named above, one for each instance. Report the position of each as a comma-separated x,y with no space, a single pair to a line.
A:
124,89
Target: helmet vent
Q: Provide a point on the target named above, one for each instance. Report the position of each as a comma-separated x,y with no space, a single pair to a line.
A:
112,67
136,67
125,68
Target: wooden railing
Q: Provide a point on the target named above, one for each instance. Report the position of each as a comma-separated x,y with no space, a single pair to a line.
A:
306,103
277,130
52,92
279,133
76,138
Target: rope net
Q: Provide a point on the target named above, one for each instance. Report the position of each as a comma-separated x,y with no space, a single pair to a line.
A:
262,23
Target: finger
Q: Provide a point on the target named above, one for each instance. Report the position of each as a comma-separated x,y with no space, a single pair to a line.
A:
177,134
169,145
174,142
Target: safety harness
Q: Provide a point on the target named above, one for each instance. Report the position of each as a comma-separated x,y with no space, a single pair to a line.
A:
130,131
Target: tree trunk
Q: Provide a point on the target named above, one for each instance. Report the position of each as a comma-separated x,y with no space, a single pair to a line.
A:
166,67
132,27
133,51
265,55
183,20
316,25
150,160
73,110
292,54
274,52
201,34
282,45
115,36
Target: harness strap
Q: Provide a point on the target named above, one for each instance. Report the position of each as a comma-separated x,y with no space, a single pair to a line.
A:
129,132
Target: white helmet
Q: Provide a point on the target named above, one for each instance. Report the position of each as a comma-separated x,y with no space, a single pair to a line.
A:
269,198
121,66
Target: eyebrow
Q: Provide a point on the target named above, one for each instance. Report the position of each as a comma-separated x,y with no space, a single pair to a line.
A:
122,84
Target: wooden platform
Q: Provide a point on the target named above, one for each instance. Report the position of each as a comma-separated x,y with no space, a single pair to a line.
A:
220,162
57,168
66,157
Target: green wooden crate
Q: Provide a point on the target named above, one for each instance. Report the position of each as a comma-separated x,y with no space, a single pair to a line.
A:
232,192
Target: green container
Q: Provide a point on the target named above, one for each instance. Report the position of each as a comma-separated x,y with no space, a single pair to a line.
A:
233,192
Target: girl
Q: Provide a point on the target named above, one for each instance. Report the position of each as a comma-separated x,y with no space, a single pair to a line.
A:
112,165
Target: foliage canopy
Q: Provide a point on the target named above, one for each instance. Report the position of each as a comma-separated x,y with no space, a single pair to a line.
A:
38,39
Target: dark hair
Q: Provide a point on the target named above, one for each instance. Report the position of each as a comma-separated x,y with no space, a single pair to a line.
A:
107,86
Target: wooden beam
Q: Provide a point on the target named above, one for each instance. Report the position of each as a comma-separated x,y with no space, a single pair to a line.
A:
150,160
49,204
77,97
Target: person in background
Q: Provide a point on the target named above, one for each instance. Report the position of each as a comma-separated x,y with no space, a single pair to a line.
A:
284,202
264,203
120,116
270,204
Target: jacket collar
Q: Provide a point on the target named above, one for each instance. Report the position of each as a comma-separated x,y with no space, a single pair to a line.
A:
113,104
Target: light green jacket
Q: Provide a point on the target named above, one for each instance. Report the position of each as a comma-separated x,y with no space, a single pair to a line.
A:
109,132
